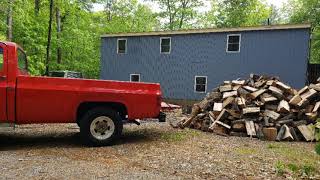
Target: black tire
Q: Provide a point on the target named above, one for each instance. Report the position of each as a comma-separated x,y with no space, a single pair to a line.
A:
91,136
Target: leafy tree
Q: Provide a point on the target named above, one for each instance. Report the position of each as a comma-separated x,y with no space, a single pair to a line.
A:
235,13
178,14
127,16
307,11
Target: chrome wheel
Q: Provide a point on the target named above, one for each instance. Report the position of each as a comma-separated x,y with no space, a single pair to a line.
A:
102,127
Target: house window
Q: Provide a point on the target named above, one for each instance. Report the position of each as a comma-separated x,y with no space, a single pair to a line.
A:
233,43
122,46
135,77
200,84
165,45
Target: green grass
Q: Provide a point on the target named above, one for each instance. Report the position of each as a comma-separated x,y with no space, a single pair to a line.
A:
280,168
246,151
179,135
293,167
296,160
273,146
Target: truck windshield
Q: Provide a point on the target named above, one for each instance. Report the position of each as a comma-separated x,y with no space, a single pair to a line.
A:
1,58
22,60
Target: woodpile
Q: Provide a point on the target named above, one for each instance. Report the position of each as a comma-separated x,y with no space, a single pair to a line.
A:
261,106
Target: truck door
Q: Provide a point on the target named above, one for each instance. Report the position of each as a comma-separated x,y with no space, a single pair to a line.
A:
3,84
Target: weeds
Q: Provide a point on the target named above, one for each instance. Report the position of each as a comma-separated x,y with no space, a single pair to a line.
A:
306,169
280,168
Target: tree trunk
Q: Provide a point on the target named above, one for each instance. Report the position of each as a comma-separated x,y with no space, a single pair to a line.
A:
36,7
49,37
9,21
59,50
184,7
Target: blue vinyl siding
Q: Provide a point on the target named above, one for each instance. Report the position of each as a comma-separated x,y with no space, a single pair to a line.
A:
282,53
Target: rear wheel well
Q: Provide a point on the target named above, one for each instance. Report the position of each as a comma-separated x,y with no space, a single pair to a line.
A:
86,106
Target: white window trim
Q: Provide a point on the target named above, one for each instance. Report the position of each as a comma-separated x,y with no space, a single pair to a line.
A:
228,43
195,84
160,45
125,52
135,75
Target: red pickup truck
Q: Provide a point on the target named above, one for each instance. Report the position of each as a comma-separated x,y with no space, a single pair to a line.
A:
98,107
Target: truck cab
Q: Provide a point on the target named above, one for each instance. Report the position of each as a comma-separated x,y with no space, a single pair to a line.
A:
97,106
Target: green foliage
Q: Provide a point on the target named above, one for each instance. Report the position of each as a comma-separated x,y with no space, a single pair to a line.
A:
273,146
176,136
293,167
308,169
81,28
307,11
317,148
179,14
235,13
280,168
303,170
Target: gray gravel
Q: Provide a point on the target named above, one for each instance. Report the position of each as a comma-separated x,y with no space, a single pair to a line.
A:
149,151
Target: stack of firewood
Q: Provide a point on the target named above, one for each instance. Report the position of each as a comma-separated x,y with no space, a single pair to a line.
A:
261,106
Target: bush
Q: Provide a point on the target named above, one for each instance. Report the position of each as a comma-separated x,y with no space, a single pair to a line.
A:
318,148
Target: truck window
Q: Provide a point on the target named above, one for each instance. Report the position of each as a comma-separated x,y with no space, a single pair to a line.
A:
1,58
22,60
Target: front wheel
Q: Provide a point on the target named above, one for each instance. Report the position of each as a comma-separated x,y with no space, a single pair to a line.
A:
100,126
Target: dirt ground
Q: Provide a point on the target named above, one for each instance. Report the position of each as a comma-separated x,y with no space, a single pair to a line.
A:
151,151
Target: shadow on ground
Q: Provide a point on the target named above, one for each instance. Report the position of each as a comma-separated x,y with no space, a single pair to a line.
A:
31,139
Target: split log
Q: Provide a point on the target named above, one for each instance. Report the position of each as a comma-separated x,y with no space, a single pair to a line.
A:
221,115
306,132
308,94
225,88
284,134
249,88
271,114
316,107
229,94
277,92
227,101
270,133
237,82
283,106
283,86
270,82
223,124
295,100
259,83
255,94
303,103
217,107
251,110
251,131
241,101
242,92
234,113
315,86
236,87
195,111
302,90
239,127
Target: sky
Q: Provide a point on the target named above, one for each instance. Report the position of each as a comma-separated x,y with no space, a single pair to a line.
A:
277,3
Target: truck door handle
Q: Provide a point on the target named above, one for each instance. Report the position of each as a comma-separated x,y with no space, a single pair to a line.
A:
2,78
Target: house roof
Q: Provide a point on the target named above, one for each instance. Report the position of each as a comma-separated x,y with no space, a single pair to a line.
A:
212,30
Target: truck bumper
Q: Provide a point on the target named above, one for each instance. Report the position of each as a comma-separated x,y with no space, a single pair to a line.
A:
162,117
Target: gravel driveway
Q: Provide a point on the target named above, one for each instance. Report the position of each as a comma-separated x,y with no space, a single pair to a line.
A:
150,151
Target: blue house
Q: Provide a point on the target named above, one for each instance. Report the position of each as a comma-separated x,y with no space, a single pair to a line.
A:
190,63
